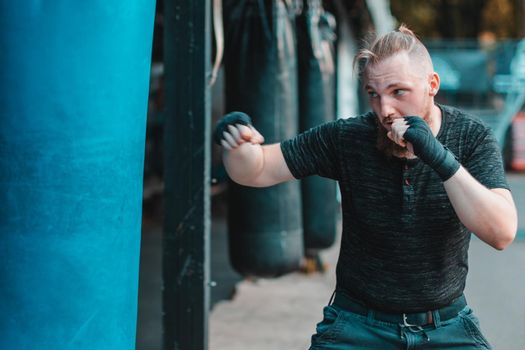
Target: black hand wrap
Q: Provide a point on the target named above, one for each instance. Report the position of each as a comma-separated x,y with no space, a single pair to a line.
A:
230,119
429,149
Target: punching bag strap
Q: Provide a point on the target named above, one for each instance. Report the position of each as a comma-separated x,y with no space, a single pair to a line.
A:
218,29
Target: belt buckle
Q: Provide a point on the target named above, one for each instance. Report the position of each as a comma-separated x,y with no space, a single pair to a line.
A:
406,324
405,321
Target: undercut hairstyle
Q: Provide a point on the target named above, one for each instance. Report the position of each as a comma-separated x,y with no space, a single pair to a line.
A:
378,48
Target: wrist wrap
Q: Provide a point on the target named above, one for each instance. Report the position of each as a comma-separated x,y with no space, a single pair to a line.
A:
429,149
230,119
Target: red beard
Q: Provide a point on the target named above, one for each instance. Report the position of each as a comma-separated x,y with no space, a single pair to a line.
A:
386,146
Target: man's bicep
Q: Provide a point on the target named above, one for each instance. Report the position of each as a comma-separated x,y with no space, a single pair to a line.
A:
485,163
275,170
313,152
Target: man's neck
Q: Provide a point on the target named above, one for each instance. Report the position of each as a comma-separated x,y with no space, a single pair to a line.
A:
435,120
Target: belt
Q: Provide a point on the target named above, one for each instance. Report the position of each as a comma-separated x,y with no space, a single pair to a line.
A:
408,319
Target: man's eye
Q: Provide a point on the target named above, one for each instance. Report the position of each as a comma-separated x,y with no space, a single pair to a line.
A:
399,92
371,94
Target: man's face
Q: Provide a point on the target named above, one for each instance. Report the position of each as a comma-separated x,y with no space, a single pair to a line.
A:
397,87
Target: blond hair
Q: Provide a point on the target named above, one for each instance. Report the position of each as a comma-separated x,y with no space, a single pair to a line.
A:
382,47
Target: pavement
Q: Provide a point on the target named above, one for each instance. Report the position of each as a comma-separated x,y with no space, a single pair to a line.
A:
281,313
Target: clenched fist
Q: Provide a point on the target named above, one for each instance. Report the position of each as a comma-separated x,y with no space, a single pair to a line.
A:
234,129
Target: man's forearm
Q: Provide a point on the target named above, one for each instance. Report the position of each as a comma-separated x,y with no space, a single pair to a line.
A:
490,214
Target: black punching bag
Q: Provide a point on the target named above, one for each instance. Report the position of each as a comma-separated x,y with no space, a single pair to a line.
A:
315,36
265,229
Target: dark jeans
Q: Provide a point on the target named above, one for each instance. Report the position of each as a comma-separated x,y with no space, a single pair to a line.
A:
341,329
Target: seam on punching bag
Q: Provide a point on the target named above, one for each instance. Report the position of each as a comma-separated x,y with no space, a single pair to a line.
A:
264,20
276,126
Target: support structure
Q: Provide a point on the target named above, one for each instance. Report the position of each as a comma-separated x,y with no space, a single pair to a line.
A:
186,270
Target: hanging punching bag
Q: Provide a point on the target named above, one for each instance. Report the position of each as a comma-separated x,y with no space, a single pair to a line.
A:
315,35
265,231
74,82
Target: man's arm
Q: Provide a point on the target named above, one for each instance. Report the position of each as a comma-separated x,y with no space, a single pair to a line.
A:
488,213
249,163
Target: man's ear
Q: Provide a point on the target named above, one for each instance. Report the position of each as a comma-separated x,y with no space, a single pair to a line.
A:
433,81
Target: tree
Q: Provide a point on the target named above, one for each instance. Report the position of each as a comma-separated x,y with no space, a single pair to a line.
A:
467,19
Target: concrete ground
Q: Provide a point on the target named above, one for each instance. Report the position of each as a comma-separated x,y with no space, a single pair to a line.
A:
282,313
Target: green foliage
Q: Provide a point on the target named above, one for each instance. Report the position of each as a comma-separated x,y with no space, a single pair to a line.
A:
452,19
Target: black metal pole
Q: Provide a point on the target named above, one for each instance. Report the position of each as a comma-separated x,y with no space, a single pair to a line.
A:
186,271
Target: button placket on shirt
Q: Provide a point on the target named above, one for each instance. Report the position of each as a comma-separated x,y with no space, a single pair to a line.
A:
408,191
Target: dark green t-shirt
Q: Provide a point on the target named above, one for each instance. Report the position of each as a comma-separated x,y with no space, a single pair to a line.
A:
403,248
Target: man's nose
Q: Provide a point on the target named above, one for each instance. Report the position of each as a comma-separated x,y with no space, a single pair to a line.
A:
387,108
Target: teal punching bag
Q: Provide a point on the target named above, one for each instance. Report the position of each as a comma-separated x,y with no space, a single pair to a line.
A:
315,36
74,80
265,229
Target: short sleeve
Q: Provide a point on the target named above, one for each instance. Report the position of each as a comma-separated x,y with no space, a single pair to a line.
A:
313,152
485,163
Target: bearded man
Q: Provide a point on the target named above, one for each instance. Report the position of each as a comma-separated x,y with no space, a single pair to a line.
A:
416,179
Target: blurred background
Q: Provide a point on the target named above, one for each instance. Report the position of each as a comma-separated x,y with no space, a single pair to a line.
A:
269,265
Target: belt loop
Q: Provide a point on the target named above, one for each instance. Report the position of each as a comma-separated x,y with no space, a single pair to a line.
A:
370,316
436,318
